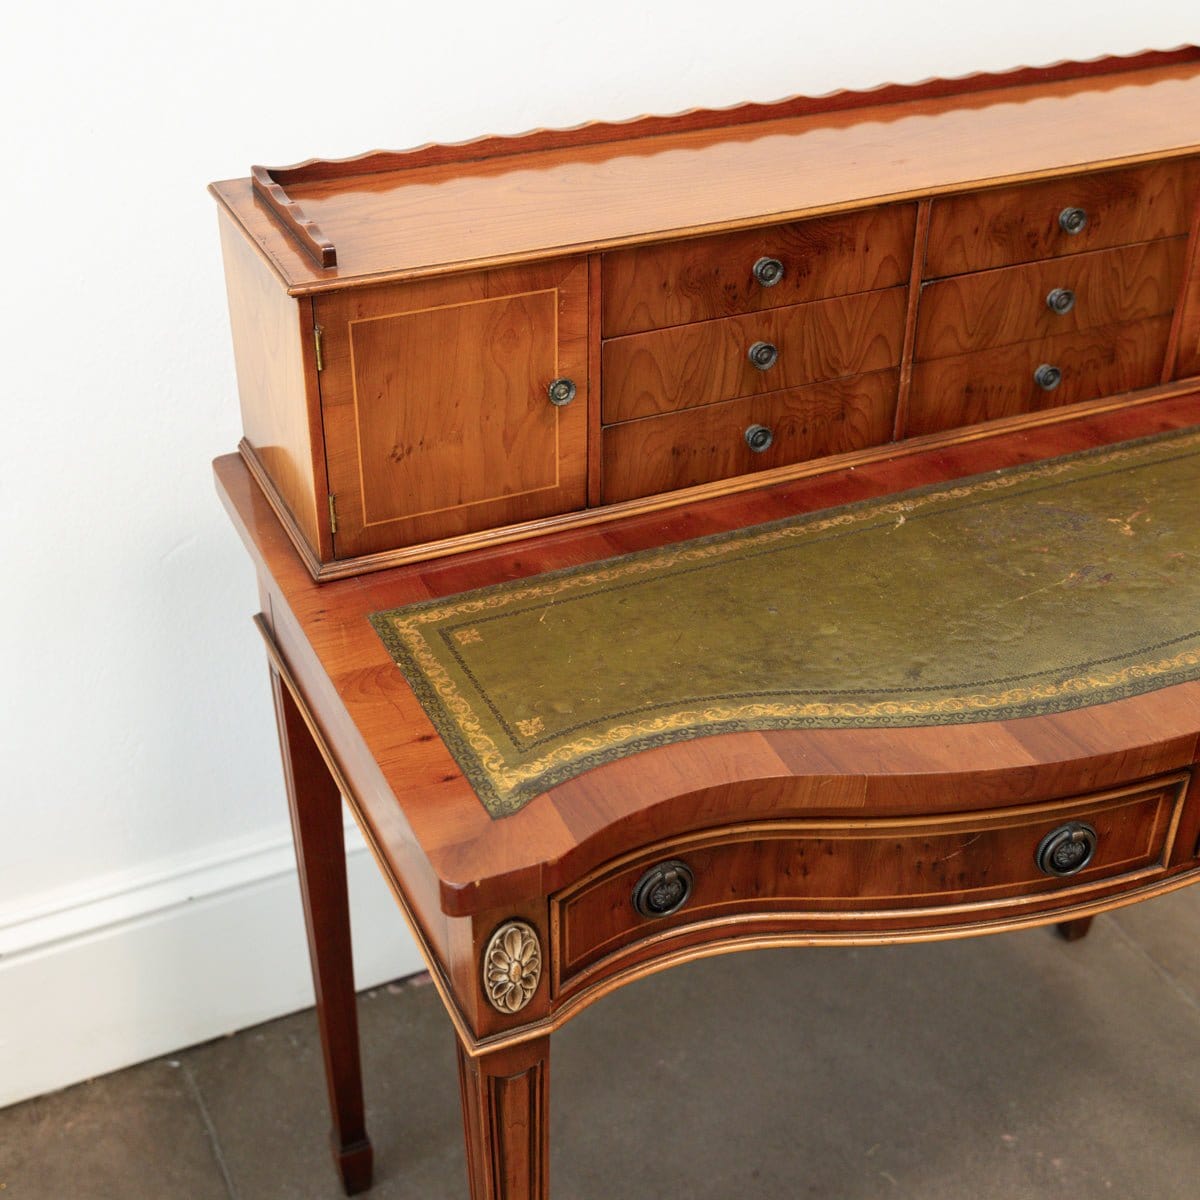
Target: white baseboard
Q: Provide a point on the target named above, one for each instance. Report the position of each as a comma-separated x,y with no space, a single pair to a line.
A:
137,966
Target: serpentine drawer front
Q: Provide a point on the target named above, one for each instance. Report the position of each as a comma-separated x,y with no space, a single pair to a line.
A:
925,869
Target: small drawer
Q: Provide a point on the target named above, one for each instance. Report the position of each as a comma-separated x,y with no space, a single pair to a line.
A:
1023,304
651,287
1033,221
677,450
968,388
690,365
822,872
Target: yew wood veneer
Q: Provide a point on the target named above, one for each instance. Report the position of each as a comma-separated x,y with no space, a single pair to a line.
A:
460,366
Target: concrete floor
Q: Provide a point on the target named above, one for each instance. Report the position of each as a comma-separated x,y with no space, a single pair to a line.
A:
1001,1067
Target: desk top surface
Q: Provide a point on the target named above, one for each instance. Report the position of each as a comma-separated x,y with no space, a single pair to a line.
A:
416,799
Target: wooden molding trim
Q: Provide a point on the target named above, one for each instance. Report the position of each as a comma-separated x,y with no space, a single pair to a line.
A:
306,232
461,543
271,183
916,274
280,509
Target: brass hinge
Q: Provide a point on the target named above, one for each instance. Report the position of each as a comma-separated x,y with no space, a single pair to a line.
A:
317,332
332,513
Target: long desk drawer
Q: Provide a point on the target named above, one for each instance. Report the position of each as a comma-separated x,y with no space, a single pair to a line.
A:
698,279
692,365
1062,850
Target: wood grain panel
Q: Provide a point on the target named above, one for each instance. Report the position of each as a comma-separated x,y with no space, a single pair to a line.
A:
850,866
278,412
436,413
676,450
425,443
1002,226
704,278
690,365
968,388
1007,305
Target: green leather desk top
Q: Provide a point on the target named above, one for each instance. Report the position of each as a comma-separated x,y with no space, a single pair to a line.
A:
1036,589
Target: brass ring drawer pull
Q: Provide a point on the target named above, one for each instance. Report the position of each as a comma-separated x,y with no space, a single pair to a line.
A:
663,889
1060,301
1047,377
759,438
1067,849
768,271
763,355
1072,220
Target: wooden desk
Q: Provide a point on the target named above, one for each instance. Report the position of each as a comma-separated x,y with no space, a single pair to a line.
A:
349,725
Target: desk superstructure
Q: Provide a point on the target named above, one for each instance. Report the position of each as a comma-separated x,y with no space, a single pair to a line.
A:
464,365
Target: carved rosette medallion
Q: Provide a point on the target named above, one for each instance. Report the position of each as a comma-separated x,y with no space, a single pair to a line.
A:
512,966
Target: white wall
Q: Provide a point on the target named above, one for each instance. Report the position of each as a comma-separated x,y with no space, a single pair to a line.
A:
142,822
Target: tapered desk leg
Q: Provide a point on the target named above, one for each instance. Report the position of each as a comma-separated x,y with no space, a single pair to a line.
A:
316,807
505,1099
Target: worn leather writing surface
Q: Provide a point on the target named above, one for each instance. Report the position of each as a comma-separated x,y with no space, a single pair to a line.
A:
1070,582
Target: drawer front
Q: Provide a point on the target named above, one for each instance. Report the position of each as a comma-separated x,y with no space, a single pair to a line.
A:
1013,304
690,365
843,869
968,388
696,280
1021,224
677,450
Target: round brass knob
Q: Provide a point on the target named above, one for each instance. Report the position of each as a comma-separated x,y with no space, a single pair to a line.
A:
1072,220
763,355
768,271
1060,301
759,438
1067,849
663,889
1047,377
561,391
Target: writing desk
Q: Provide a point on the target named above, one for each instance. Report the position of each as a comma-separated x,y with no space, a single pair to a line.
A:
484,896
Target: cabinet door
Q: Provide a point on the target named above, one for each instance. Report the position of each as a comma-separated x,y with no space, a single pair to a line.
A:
435,404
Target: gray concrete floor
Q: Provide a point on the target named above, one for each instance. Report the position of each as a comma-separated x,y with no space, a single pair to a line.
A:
1003,1067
